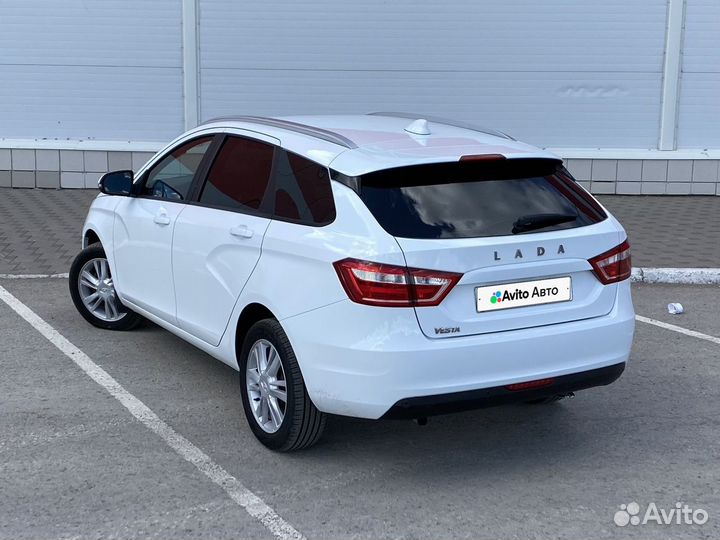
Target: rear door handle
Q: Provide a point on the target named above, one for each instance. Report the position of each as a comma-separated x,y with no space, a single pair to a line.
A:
162,218
243,231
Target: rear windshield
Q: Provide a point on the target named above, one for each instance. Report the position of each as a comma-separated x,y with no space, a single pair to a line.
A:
470,199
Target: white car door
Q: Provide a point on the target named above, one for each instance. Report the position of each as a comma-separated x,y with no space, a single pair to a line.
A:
144,227
218,239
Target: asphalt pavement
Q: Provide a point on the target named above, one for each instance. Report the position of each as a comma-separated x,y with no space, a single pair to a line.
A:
76,464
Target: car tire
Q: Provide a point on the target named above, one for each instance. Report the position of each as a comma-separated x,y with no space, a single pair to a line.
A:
90,275
261,384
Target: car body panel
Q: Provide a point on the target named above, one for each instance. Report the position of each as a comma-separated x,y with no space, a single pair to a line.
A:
142,249
214,253
296,263
100,221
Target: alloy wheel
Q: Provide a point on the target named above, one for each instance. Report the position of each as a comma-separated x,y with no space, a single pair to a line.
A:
98,292
266,386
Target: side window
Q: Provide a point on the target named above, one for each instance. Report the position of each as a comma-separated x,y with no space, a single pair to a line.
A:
172,176
239,176
302,190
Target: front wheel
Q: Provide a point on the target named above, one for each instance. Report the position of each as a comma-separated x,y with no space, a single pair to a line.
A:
276,403
93,292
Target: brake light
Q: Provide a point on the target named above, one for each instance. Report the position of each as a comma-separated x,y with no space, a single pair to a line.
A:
389,285
614,265
482,157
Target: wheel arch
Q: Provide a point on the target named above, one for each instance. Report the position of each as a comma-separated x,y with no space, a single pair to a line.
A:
90,237
250,314
98,228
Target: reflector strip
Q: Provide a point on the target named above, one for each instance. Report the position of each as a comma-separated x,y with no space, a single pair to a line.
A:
530,384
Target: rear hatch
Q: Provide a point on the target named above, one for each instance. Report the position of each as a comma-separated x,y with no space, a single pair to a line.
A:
520,232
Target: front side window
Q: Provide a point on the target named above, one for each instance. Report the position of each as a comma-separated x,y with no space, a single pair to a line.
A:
172,176
239,176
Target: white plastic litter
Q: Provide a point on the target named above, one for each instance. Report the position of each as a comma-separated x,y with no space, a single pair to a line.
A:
675,308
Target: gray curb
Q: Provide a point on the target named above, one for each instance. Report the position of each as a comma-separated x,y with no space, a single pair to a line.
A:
682,276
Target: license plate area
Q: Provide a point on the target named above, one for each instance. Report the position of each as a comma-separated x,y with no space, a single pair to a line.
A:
522,294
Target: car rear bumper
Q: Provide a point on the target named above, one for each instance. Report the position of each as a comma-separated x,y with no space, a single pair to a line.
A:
418,407
367,361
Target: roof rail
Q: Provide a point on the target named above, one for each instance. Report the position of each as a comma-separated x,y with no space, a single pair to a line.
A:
324,134
445,121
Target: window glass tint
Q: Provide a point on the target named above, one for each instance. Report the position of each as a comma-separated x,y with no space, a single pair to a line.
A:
302,190
466,199
172,176
238,178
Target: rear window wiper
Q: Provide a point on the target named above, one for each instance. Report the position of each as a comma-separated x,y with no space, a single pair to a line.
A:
532,222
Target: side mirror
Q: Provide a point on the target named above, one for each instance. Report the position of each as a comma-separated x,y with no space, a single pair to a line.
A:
116,183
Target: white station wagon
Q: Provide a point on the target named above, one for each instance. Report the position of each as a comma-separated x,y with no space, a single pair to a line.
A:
376,266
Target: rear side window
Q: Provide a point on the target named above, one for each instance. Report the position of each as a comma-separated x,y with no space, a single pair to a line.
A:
470,199
239,176
302,190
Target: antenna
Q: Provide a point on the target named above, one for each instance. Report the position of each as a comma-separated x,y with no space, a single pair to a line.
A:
418,127
445,121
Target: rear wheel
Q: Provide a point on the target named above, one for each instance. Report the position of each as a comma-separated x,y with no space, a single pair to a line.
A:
93,292
277,406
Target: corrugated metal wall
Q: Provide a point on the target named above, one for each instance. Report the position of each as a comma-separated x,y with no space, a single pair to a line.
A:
557,73
561,73
105,69
699,110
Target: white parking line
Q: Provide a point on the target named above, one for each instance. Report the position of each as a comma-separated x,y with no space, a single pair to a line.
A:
679,329
253,504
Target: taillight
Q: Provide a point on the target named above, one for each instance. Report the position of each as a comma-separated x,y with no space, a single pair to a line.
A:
388,285
614,265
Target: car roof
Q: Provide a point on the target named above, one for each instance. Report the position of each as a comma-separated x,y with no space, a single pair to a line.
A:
358,144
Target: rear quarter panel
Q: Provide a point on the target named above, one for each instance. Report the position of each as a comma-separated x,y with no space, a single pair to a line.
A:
295,273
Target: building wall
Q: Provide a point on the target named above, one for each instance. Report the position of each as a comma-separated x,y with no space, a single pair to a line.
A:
88,85
543,71
699,108
98,69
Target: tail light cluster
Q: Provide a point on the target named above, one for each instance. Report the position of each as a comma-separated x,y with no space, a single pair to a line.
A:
389,285
614,265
